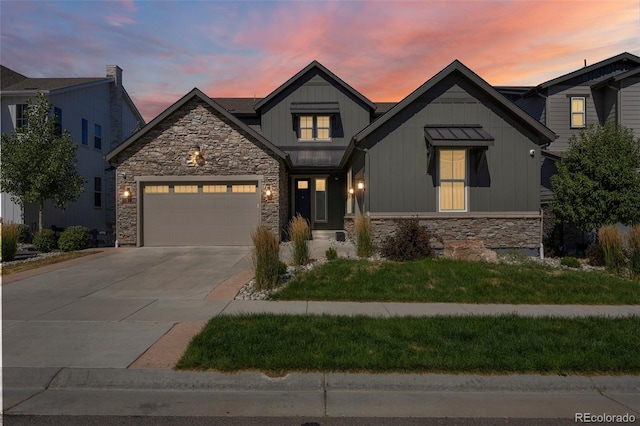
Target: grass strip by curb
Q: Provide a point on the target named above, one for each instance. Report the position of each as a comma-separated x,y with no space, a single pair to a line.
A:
450,281
503,344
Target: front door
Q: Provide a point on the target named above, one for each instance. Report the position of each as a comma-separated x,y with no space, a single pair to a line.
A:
303,198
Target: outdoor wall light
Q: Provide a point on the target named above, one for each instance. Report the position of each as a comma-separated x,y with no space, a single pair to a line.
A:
268,193
196,158
126,195
351,191
360,185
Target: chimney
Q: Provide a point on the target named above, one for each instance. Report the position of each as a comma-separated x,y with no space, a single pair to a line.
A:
115,105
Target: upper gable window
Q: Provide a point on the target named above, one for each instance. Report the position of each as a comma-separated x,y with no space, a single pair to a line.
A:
314,127
21,115
578,112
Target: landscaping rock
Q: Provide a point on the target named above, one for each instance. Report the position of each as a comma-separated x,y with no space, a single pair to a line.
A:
471,250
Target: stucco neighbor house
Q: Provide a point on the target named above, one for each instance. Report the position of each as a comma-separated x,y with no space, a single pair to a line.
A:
455,153
100,115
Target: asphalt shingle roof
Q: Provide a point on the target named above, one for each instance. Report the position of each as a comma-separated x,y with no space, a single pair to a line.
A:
12,81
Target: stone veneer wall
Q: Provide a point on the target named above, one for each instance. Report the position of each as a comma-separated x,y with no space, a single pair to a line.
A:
165,151
499,231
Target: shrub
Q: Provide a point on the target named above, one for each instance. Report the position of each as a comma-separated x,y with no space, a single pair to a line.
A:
10,233
610,239
331,254
299,234
25,235
74,238
634,249
410,242
571,262
44,240
266,258
364,231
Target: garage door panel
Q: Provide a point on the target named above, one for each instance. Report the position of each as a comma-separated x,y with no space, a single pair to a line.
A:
174,219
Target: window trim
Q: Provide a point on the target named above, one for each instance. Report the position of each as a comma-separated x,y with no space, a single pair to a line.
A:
314,127
465,181
326,199
583,112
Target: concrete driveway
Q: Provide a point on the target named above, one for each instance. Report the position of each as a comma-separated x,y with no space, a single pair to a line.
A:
107,311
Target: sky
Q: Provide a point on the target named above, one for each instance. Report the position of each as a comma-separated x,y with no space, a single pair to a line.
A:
383,49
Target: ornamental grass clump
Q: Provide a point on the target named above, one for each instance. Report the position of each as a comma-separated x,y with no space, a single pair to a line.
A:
364,231
10,234
634,249
610,239
266,258
300,234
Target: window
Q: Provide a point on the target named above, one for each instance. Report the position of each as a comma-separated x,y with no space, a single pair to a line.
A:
243,188
315,127
57,114
453,175
21,115
97,192
156,189
185,189
214,188
97,136
321,200
578,112
85,132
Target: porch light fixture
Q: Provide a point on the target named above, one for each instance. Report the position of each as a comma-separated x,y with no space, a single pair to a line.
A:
126,195
351,191
268,193
361,185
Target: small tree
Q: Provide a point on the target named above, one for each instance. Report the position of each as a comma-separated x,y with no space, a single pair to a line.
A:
39,161
598,182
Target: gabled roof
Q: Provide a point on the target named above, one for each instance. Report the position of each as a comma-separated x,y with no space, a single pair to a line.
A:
196,93
616,78
621,57
318,66
16,82
546,135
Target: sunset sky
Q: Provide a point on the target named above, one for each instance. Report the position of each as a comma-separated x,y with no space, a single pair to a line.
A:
384,49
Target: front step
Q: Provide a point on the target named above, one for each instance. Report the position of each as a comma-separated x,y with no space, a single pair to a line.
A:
322,234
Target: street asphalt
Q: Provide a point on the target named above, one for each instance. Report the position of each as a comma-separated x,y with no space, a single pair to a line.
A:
99,337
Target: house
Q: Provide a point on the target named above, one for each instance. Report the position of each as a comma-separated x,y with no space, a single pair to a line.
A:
608,90
455,153
100,115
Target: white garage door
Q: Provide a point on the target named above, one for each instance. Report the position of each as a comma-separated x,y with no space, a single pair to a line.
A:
199,214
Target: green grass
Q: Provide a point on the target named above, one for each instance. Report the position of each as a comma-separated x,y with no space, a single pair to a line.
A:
506,344
443,280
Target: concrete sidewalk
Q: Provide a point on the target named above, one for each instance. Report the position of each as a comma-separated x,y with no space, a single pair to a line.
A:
70,391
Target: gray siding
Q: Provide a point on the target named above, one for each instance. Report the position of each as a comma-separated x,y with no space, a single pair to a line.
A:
278,125
398,179
630,108
559,113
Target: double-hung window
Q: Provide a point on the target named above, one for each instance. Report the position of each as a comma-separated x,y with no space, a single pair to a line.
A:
314,127
85,132
97,192
21,115
578,112
453,180
97,136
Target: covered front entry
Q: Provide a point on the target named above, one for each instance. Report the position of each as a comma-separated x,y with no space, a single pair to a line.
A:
320,198
199,213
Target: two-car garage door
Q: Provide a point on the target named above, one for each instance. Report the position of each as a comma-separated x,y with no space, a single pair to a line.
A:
199,214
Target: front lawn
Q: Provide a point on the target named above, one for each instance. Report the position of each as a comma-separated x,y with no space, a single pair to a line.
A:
506,344
444,280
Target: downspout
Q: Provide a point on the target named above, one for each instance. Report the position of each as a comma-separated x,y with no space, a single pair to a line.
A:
541,234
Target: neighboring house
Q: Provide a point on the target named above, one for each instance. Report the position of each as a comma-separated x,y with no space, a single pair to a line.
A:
100,115
455,153
594,94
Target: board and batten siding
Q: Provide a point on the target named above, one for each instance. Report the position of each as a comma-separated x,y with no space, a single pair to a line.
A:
277,122
508,182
